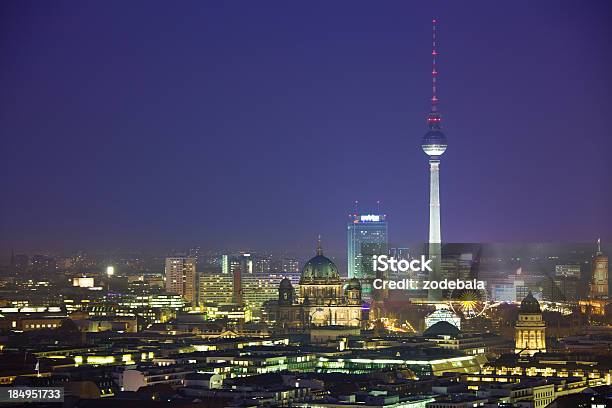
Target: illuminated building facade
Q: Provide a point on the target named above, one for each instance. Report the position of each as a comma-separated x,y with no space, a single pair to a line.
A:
530,328
367,235
181,277
323,298
229,264
215,288
599,280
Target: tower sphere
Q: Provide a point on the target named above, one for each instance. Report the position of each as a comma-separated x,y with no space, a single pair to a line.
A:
434,143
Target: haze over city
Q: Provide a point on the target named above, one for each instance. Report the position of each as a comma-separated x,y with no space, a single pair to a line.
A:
257,126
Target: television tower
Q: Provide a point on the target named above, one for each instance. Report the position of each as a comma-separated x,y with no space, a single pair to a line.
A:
434,145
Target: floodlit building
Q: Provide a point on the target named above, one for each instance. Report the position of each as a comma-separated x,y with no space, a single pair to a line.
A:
367,236
442,315
181,277
323,298
215,288
599,281
530,328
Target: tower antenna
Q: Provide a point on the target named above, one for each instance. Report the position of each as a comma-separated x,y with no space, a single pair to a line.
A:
434,119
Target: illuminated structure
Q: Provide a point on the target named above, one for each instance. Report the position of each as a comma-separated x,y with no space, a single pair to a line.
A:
442,315
530,329
181,277
434,145
323,299
229,264
215,288
367,235
599,280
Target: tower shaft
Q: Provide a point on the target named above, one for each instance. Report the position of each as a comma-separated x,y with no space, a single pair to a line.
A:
434,202
435,240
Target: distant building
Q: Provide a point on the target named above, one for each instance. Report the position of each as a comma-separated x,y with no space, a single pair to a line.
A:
131,379
290,265
599,280
181,277
21,263
367,235
229,263
568,271
530,328
215,288
165,301
83,282
503,292
261,265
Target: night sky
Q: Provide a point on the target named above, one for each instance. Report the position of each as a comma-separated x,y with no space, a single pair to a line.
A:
159,125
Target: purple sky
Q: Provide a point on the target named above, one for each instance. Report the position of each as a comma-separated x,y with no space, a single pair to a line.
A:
151,125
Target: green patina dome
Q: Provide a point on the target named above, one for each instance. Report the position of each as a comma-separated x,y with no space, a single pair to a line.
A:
320,267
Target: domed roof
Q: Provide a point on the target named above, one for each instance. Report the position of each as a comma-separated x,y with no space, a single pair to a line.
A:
434,142
285,283
352,284
442,328
320,267
530,305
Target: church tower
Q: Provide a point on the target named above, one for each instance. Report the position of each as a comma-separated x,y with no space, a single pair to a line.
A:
530,328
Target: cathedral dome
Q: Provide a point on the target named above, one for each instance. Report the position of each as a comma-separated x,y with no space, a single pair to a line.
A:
320,267
530,305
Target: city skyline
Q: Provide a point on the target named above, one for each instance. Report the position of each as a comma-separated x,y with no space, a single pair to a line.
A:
94,173
240,204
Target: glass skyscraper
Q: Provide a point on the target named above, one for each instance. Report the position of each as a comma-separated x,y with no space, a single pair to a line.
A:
367,236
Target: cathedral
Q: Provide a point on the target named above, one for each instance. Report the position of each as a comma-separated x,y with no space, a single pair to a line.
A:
323,299
530,328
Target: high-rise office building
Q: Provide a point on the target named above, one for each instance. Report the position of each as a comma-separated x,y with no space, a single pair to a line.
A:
290,265
434,145
367,236
181,277
229,263
215,289
261,265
